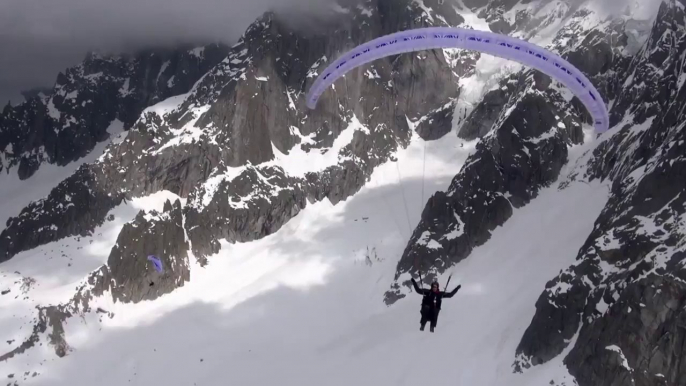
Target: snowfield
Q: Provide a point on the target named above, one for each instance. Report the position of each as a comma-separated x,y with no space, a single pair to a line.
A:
304,306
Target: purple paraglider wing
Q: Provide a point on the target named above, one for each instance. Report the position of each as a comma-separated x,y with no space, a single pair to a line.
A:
487,42
157,263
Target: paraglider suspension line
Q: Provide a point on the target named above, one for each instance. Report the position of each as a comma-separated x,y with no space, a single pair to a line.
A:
448,283
423,171
419,270
402,190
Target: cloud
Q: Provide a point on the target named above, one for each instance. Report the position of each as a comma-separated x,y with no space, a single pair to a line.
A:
39,38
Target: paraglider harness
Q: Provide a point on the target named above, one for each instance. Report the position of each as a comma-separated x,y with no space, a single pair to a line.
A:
432,300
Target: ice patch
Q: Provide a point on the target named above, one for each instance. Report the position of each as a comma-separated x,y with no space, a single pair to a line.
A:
116,131
72,95
166,106
124,89
618,350
198,52
298,162
427,11
365,11
53,112
162,69
372,74
338,8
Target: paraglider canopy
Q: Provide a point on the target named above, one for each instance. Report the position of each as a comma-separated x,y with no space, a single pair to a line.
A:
487,42
157,263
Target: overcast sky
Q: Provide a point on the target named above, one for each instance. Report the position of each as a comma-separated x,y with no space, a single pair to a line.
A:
39,38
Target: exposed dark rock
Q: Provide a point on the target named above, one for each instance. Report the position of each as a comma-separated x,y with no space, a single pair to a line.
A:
75,207
159,234
624,298
437,123
592,59
541,81
48,317
276,78
482,118
65,124
54,317
639,340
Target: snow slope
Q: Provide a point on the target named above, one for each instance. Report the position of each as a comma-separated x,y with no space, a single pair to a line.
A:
50,273
304,306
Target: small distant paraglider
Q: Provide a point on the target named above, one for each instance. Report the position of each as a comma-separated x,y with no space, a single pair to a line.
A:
157,264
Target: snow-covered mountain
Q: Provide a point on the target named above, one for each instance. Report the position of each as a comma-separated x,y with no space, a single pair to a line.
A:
93,98
625,292
292,233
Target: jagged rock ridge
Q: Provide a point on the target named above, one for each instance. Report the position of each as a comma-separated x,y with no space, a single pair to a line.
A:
623,299
247,112
65,124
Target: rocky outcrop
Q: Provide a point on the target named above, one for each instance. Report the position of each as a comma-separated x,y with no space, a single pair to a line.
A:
75,207
128,276
50,319
627,288
483,117
249,206
64,125
160,234
623,299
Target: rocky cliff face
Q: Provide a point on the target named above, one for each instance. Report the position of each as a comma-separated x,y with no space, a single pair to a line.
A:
160,234
65,124
214,145
526,122
622,303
